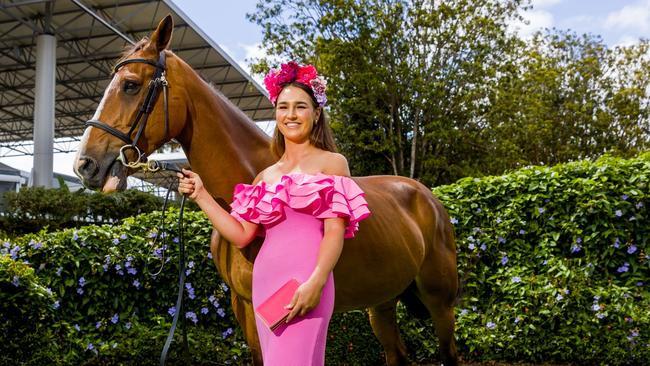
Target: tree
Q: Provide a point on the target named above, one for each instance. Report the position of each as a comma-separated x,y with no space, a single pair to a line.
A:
438,90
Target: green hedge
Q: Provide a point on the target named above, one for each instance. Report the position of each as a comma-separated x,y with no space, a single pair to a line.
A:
554,263
33,208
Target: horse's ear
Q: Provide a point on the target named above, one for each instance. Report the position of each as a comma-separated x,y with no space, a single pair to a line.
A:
161,37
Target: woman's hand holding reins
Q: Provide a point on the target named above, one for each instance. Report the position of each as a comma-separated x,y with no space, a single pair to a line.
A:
191,184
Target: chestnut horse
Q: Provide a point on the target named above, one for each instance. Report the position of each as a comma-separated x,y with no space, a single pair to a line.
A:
405,250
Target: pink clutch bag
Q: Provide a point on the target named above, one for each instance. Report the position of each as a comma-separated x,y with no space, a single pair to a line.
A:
272,311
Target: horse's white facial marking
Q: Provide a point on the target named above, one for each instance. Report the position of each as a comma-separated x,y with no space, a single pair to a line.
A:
112,85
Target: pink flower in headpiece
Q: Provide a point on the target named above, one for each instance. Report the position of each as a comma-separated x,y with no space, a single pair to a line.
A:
290,72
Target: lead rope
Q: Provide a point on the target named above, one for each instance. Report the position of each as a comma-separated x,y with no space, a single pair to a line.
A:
179,299
156,166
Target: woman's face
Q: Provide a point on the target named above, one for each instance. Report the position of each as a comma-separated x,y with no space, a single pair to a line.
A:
295,114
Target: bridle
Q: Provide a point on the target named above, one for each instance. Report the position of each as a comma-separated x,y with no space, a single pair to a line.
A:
157,83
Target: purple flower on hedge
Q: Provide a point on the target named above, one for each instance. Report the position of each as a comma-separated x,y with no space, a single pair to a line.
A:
224,286
221,312
105,266
618,213
116,241
58,271
617,242
559,297
209,255
600,315
490,325
631,249
471,246
190,290
176,240
16,281
192,316
541,210
498,220
128,325
80,290
639,284
483,247
464,312
98,324
204,310
56,305
517,319
36,245
136,283
501,240
77,327
624,197
575,248
504,260
639,205
123,237
453,221
595,307
82,281
132,271
226,333
623,268
522,232
14,252
90,347
478,210
115,318
172,311
516,279
118,267
153,234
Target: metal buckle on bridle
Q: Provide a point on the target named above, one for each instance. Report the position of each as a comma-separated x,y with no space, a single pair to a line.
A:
122,158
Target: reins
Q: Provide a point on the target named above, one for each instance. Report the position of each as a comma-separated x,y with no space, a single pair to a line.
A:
157,83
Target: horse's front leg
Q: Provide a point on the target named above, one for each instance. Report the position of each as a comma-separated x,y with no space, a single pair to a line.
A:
236,270
383,320
246,318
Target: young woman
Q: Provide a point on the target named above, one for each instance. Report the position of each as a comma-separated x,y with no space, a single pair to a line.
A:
305,205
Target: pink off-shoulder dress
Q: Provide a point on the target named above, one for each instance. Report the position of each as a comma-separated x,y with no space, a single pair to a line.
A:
292,213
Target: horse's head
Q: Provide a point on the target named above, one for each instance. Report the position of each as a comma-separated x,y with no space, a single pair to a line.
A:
132,119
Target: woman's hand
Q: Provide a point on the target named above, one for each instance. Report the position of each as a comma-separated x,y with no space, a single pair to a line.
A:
305,299
190,183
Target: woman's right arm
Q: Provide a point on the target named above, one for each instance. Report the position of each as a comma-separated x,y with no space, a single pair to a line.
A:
239,233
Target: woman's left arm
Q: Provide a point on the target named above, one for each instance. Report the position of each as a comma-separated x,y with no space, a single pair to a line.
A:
308,295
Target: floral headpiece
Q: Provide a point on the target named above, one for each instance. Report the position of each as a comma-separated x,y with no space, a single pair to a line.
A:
307,75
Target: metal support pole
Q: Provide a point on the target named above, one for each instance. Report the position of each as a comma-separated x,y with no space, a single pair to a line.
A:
44,97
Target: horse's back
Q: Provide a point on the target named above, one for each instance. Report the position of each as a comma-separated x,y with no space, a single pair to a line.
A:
393,244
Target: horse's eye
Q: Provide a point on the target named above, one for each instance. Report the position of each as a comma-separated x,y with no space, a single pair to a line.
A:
131,87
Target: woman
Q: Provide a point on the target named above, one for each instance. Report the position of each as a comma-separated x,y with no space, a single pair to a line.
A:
305,205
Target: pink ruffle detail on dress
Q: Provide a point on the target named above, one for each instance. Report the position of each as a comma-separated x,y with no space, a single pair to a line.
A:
323,196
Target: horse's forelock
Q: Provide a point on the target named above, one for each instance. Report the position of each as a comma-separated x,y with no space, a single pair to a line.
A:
130,50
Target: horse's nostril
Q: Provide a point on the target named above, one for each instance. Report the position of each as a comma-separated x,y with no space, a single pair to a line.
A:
88,167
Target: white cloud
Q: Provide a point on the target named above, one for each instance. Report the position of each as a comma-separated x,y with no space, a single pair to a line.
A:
634,17
627,40
536,20
544,3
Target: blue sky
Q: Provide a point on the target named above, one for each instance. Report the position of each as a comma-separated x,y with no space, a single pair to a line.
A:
617,21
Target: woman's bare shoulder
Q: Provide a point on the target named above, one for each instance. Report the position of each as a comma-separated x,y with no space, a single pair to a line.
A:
335,164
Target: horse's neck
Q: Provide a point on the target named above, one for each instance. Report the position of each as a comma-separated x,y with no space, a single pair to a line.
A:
222,145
